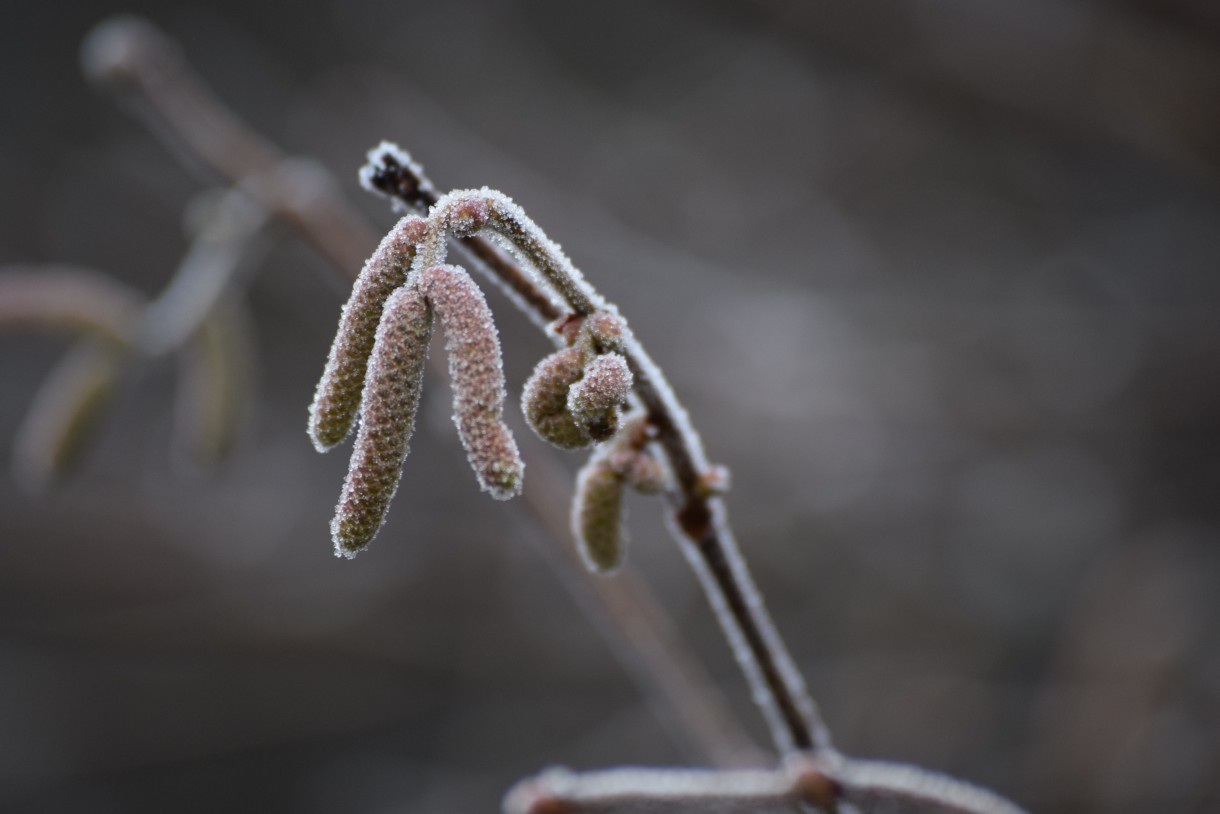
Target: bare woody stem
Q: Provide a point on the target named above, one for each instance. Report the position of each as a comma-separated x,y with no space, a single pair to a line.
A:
700,523
139,63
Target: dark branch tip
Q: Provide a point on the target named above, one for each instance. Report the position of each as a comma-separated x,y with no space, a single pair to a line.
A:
392,173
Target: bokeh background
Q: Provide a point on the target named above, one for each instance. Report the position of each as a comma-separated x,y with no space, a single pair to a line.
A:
938,281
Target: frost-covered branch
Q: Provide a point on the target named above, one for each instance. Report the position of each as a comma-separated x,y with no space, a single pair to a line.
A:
579,396
834,786
147,70
699,519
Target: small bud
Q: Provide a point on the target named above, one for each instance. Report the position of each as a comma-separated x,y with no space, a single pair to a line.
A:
641,471
597,399
605,332
714,481
337,400
597,516
545,399
477,375
387,417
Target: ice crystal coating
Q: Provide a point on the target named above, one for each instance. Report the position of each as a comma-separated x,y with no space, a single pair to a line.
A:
545,399
605,332
597,399
833,784
468,215
387,416
597,506
653,791
391,173
337,400
477,374
597,516
872,785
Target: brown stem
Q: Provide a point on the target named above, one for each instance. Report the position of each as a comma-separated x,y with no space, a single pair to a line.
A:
700,524
133,58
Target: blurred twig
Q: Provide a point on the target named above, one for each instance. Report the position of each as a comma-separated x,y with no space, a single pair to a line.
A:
134,59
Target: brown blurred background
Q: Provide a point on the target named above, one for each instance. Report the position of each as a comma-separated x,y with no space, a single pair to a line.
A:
937,280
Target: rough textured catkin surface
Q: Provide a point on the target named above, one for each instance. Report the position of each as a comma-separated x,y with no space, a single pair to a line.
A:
477,375
596,401
597,515
387,417
337,400
544,401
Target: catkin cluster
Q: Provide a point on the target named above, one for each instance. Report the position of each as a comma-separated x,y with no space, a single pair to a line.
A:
375,373
575,398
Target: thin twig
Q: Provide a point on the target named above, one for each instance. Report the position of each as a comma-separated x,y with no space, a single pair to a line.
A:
134,59
145,68
700,524
835,784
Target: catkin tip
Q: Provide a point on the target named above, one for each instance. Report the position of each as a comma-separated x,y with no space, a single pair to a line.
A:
477,376
597,516
544,400
597,399
387,417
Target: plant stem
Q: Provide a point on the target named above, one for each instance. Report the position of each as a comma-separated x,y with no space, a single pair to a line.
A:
133,58
700,524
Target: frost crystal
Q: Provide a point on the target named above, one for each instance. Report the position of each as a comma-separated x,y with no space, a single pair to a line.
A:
545,399
595,400
337,400
477,373
387,417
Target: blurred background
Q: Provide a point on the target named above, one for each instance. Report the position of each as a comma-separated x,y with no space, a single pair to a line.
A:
938,282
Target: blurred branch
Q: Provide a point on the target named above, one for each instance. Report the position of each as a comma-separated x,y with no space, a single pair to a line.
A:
197,314
144,67
833,785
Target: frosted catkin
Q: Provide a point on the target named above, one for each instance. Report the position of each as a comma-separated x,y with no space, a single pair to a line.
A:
597,516
389,402
477,373
596,401
337,400
544,401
